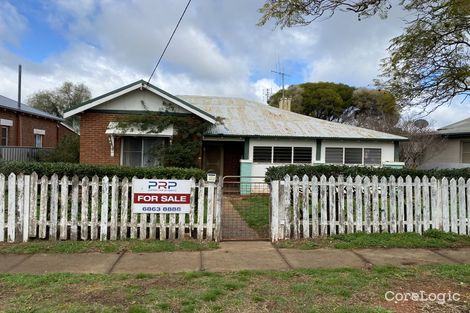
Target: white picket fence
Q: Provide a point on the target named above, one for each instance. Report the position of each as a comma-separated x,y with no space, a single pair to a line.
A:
73,209
314,207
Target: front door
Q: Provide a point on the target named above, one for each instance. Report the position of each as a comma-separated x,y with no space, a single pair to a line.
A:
213,159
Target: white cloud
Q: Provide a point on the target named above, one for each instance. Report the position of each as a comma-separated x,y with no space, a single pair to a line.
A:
12,24
218,49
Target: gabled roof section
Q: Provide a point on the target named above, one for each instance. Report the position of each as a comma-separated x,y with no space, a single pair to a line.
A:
10,104
131,87
244,118
459,128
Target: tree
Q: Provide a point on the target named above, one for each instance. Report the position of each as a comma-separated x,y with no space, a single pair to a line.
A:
342,103
67,150
429,64
328,101
56,101
373,109
422,142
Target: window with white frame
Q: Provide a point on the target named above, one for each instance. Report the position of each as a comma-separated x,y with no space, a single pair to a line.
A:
353,156
282,154
334,155
372,156
38,140
4,139
262,154
141,151
302,155
466,152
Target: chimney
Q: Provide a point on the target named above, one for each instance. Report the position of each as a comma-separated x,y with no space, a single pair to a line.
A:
284,103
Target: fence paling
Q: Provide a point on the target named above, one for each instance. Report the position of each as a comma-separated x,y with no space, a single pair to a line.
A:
67,210
377,205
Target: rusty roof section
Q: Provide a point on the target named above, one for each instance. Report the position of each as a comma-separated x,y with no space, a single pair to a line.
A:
247,118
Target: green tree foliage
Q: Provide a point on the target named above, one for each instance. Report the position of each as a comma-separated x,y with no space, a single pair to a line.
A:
57,100
67,150
185,149
288,13
374,109
429,64
328,101
341,103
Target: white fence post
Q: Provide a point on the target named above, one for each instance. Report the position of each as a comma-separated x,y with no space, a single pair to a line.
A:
11,207
2,208
26,209
274,211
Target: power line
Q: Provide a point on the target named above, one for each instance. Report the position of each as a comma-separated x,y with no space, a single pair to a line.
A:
168,43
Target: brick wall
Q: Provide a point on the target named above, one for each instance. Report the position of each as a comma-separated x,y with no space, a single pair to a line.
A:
94,144
54,131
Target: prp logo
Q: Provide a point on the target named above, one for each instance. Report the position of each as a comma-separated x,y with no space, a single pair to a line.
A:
162,185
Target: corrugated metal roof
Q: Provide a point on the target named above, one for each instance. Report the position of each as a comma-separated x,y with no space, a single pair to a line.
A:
252,119
10,104
460,127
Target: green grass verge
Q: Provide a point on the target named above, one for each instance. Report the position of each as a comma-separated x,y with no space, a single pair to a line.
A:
314,290
105,246
429,239
255,211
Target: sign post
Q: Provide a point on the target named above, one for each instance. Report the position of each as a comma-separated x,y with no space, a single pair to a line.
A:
161,196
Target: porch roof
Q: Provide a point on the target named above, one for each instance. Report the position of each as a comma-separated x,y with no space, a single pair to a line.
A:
114,129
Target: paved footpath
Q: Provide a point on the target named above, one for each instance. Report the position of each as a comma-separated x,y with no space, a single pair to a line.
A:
231,256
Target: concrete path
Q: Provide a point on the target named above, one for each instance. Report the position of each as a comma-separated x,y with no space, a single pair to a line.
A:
231,256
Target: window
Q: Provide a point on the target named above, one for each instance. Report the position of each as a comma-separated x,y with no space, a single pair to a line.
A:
38,141
359,156
140,151
334,155
4,139
372,156
466,152
262,154
282,155
302,155
353,156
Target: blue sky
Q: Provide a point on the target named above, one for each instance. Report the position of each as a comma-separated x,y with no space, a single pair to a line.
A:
218,49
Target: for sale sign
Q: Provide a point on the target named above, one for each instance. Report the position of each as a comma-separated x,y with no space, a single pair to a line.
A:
161,196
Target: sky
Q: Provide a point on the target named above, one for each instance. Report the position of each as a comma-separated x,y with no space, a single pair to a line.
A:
218,49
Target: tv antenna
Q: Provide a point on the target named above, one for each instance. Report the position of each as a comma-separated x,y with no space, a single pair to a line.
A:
268,92
283,75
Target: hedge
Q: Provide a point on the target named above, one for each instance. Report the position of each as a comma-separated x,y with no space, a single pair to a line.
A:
81,170
278,172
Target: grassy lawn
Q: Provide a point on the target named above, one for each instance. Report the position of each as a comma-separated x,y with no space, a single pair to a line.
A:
255,211
430,239
106,246
340,290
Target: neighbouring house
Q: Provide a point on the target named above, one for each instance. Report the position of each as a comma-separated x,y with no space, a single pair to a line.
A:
26,130
455,149
245,139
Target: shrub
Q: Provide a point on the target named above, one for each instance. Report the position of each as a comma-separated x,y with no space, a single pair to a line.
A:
278,172
70,169
67,150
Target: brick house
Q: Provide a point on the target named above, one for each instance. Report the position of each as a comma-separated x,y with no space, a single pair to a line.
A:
25,130
246,137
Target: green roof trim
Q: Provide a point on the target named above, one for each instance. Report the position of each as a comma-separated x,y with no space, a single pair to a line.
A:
144,85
